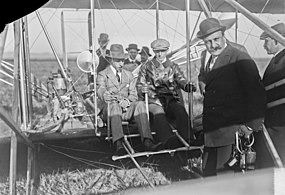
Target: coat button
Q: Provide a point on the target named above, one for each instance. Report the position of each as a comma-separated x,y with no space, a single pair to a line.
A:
214,91
213,108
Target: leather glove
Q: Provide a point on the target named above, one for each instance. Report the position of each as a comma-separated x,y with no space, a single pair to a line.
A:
145,88
124,103
245,131
190,87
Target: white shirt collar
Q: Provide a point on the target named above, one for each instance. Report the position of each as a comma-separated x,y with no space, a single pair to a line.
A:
115,71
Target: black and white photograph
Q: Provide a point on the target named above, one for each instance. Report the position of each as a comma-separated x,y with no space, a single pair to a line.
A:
150,97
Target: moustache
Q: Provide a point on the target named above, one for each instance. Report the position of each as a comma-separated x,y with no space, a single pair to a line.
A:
216,48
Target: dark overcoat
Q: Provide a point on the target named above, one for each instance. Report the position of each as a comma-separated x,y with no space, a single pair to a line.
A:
234,95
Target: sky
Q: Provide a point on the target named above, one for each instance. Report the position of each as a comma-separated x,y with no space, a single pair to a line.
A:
131,26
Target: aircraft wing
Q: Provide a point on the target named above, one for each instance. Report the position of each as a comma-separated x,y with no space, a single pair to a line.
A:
254,6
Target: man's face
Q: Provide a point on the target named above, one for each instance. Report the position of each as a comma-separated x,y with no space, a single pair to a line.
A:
103,44
118,64
160,54
144,57
270,46
133,53
215,43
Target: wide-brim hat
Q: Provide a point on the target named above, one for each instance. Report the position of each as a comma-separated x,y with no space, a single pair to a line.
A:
209,26
280,28
145,50
103,37
132,46
116,52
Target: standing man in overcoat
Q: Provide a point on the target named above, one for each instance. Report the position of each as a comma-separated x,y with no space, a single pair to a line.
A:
275,112
234,97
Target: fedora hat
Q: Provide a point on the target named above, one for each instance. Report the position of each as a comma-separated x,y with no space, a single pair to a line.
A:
116,52
280,28
132,46
145,50
103,37
209,26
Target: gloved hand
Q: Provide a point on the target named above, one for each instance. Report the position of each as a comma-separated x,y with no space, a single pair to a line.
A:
245,131
190,87
124,103
145,88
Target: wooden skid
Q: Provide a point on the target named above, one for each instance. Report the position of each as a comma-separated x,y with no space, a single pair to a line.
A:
170,151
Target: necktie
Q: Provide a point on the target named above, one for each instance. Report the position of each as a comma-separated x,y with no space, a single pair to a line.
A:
118,77
208,64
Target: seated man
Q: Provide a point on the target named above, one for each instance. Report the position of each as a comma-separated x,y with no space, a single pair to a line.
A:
115,86
161,78
131,62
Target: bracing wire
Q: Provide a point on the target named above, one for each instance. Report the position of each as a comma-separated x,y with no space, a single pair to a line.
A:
86,161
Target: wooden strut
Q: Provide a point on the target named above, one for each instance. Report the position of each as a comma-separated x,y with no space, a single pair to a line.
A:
271,148
138,166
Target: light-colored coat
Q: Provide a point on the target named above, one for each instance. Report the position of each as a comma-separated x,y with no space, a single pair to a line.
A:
107,83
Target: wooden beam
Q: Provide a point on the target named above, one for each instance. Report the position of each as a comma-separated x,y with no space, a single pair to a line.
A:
3,36
272,33
12,124
13,165
205,9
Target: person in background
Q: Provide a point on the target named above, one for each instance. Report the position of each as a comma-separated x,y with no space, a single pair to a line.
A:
114,85
234,97
160,78
275,113
131,62
145,55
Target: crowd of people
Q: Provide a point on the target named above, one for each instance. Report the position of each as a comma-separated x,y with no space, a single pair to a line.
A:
236,99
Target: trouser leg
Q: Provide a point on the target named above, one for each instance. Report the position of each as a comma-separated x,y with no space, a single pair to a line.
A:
214,159
177,112
115,120
160,123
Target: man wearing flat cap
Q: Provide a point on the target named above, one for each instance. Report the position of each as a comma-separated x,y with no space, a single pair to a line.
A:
115,85
275,113
131,63
160,78
234,97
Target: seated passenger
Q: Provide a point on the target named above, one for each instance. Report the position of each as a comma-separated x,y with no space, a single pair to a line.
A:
131,62
161,78
115,86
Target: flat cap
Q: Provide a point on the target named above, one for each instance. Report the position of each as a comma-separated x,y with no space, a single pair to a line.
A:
280,28
160,44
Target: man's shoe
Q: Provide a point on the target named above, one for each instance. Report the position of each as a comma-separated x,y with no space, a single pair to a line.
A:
120,150
150,146
196,142
173,142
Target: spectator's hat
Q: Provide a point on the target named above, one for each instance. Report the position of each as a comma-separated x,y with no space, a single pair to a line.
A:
103,37
145,50
132,46
116,52
209,26
160,44
280,28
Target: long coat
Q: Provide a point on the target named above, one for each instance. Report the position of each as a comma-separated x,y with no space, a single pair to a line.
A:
234,95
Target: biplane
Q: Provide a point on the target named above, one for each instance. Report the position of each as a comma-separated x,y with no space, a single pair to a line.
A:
73,113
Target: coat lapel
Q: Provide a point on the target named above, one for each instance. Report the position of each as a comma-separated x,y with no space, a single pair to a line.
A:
111,77
222,60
